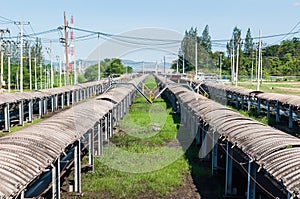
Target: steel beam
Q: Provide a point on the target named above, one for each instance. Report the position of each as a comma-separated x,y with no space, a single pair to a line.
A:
251,185
228,178
6,117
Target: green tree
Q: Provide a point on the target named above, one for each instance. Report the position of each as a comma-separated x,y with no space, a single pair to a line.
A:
206,39
248,46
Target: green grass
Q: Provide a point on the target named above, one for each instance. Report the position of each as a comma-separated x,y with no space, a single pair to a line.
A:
139,162
273,87
26,124
150,82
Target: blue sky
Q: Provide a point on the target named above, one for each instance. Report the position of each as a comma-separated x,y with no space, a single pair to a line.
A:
118,16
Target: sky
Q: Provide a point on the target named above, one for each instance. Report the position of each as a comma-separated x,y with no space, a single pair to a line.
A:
123,16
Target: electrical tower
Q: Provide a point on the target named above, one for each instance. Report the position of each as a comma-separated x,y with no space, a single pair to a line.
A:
72,56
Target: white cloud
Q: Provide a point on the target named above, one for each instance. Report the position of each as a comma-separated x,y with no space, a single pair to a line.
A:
296,4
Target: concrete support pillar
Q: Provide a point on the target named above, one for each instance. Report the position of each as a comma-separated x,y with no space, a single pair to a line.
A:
30,110
6,118
277,112
290,116
21,113
91,149
228,178
214,153
251,185
77,167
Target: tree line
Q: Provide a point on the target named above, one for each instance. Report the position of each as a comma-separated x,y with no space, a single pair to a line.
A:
277,59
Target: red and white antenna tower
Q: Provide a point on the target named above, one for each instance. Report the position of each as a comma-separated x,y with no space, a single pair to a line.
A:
72,65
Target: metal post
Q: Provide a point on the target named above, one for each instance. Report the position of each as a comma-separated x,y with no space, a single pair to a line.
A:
268,109
40,108
62,100
290,116
277,111
258,106
30,110
100,138
228,180
54,185
68,98
106,127
21,113
91,149
45,106
214,153
58,178
7,118
111,124
52,103
251,185
77,165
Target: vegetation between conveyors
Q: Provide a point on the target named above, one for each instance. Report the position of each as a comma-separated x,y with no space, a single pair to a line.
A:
155,181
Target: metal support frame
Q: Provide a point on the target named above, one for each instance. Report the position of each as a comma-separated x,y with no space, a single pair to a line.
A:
236,101
251,185
6,117
21,113
100,138
62,103
268,110
214,153
73,97
30,110
111,124
228,178
258,105
91,149
56,102
52,103
45,106
41,108
56,180
290,116
277,111
77,166
68,99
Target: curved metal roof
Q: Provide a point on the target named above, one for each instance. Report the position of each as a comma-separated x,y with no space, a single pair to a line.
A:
27,153
275,151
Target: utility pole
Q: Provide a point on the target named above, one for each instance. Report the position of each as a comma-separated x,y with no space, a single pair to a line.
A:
220,62
259,62
99,69
233,66
66,48
252,66
30,73
51,66
183,64
237,63
3,31
8,64
177,65
164,65
196,57
21,24
35,80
